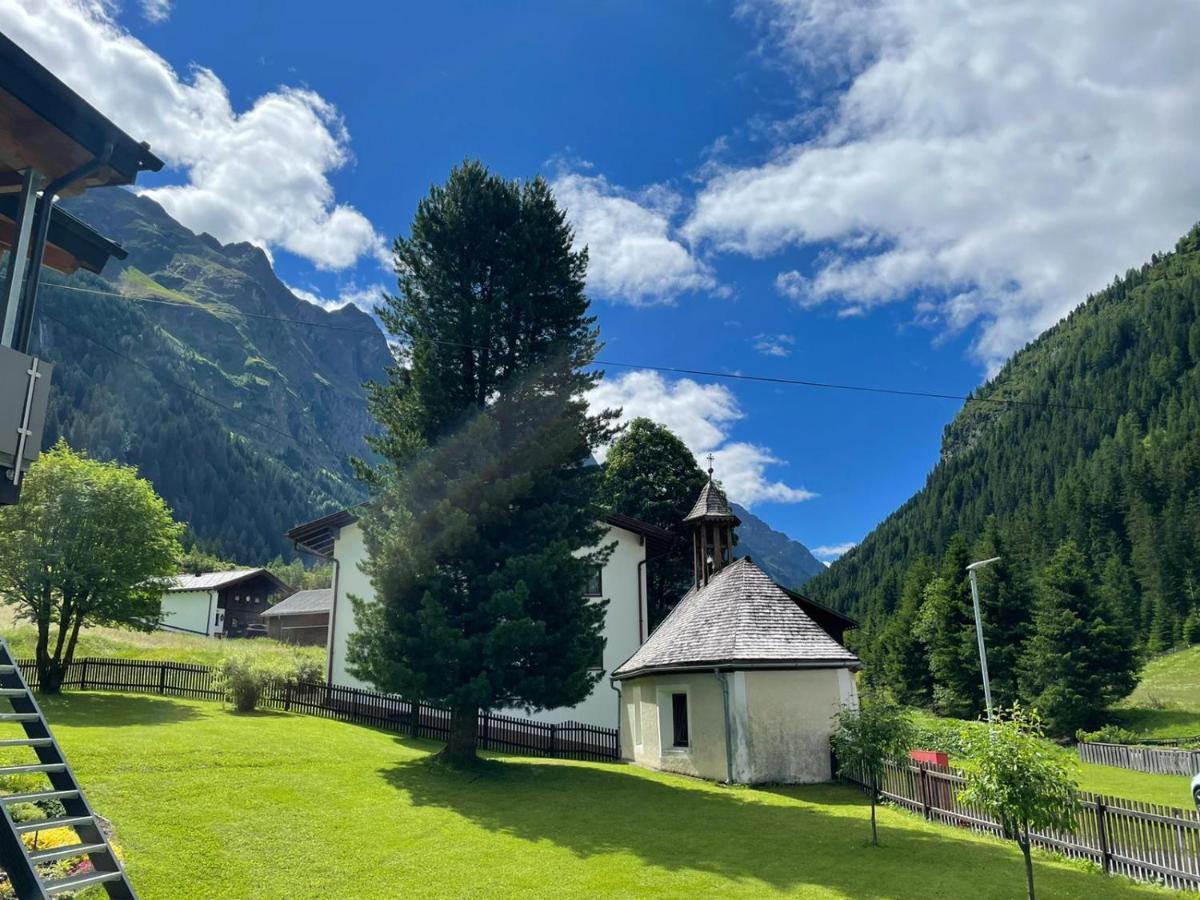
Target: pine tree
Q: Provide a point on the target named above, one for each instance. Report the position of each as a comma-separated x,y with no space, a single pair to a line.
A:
1077,661
1006,609
484,500
652,475
947,626
900,654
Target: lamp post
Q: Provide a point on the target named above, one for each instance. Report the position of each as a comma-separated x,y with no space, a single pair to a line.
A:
987,685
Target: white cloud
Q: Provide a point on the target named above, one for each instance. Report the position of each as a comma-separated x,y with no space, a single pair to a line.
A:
632,255
774,344
156,10
702,415
998,160
258,175
827,553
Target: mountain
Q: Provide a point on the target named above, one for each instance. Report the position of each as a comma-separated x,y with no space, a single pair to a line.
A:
788,562
190,359
1090,433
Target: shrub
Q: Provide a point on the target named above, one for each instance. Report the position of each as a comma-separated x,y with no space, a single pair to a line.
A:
243,677
306,669
1109,734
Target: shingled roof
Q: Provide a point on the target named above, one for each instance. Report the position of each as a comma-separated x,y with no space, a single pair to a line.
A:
712,504
740,619
303,603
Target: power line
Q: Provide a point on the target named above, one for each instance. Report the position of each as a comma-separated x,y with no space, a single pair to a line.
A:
673,370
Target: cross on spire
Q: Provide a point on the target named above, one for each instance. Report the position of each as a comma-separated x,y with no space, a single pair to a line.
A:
710,465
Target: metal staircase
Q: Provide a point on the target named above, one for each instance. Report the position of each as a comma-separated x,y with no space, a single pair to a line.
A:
20,864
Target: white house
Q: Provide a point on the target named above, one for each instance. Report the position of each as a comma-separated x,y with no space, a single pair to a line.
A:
741,681
622,580
217,604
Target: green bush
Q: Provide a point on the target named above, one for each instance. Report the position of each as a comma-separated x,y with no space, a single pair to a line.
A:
243,677
307,669
942,735
1109,734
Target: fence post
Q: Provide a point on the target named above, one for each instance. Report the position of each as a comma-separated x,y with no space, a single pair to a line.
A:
1102,834
162,678
287,698
83,676
415,711
923,783
553,739
483,731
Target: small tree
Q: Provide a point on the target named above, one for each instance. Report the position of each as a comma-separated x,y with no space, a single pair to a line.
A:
89,544
1019,777
867,737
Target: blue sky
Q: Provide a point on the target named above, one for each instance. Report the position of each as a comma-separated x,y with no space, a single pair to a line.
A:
895,194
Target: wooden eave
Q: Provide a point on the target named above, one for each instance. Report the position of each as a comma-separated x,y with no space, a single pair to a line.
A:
46,126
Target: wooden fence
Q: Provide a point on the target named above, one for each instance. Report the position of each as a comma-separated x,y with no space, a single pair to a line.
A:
1158,760
1139,840
510,734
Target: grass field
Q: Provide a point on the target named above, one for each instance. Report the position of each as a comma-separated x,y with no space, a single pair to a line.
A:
1166,702
211,804
1169,790
120,643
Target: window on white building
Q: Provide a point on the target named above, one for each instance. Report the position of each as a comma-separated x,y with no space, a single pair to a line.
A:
595,583
679,720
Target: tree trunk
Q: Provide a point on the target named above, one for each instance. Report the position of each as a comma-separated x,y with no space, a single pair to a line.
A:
460,743
50,677
1023,840
874,831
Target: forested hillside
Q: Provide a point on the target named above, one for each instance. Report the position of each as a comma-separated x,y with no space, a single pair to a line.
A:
286,377
1097,444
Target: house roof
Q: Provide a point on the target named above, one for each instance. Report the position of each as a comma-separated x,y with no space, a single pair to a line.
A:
712,504
215,581
740,619
318,535
70,243
303,603
49,127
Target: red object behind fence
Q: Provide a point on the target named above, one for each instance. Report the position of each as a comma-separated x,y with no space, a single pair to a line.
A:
930,756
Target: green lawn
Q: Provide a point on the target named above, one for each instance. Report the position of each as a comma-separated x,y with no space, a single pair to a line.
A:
1166,702
210,804
1170,790
120,643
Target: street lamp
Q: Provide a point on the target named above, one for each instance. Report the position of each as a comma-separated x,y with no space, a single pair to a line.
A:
987,685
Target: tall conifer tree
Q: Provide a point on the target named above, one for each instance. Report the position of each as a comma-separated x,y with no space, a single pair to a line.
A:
947,625
1078,662
483,499
1006,607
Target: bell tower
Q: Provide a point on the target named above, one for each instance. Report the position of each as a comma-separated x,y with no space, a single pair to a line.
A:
712,524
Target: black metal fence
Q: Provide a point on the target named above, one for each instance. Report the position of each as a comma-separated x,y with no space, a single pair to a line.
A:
1139,840
510,734
1157,760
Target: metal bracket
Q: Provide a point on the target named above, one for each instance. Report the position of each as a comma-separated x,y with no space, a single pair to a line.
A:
23,432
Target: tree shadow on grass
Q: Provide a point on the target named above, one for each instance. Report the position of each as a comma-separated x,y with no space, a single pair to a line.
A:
739,834
81,710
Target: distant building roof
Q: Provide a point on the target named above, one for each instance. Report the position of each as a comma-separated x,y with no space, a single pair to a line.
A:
214,581
712,504
740,619
303,603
